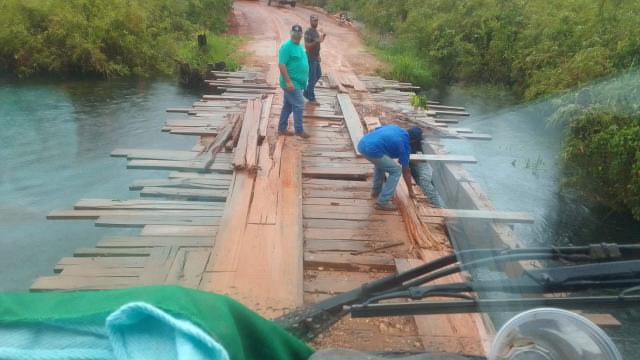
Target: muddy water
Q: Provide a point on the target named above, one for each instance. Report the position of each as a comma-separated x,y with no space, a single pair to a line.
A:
55,141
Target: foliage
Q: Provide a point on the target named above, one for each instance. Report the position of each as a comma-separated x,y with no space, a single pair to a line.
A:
538,48
603,158
104,37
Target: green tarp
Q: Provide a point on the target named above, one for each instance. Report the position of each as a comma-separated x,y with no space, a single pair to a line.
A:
243,333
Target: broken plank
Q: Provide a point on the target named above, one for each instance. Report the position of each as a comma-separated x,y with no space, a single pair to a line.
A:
188,267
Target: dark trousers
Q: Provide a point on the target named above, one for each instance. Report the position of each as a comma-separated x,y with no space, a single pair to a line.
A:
315,72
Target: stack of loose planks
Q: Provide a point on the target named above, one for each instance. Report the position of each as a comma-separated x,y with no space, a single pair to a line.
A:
178,216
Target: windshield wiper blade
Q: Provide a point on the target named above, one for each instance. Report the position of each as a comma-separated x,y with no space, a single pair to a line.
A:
304,322
491,305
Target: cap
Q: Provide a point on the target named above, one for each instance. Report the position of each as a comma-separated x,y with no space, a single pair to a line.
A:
313,17
415,134
296,28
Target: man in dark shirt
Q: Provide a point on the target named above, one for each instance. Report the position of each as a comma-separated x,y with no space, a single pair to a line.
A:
312,40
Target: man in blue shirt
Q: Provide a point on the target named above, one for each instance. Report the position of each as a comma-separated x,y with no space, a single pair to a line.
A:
294,72
380,147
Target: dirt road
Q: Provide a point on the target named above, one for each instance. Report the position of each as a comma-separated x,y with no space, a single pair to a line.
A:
267,27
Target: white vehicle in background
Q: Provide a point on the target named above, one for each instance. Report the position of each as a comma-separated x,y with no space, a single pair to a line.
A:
283,2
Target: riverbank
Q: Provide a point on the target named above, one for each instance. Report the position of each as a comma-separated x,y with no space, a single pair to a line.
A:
106,39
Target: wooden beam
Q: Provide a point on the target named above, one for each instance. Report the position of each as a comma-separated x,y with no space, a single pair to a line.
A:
94,214
154,205
352,120
182,193
467,159
194,166
497,216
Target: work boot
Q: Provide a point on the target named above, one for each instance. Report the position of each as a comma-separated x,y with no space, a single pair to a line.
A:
285,133
313,103
388,206
303,135
374,194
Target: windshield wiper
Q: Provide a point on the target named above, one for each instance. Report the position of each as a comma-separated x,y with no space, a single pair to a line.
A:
310,321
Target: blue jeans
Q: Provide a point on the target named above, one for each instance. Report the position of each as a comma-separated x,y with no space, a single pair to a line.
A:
385,165
293,102
315,72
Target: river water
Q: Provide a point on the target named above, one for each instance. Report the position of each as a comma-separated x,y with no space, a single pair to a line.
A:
520,169
55,140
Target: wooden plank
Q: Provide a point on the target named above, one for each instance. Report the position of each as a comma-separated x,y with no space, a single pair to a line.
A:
352,120
154,241
252,142
497,216
464,159
208,123
212,184
182,193
220,140
248,124
140,221
341,261
158,266
264,205
197,131
335,282
154,154
98,204
176,230
261,256
452,333
188,267
194,166
111,252
337,194
342,224
99,271
192,175
94,214
311,245
344,173
68,283
265,116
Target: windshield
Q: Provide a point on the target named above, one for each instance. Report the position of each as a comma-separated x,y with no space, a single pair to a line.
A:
389,176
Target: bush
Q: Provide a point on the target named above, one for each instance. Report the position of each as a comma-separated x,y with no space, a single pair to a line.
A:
602,156
103,37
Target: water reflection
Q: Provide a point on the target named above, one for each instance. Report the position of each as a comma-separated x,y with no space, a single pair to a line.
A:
54,150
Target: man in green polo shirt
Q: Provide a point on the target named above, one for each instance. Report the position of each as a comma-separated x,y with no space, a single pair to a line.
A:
294,73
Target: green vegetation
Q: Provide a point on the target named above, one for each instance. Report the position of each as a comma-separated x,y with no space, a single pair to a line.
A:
537,48
602,149
111,37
